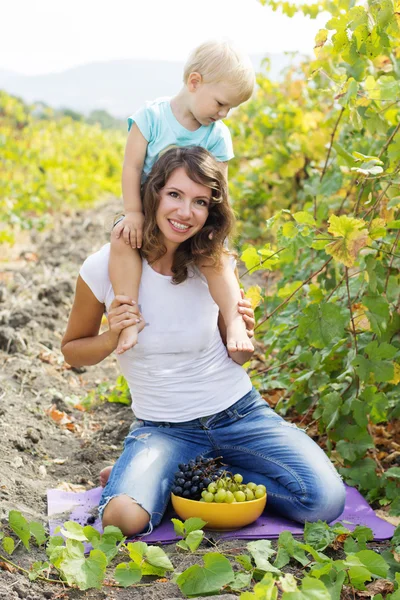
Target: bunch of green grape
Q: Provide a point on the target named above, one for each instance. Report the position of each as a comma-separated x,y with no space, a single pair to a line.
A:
230,488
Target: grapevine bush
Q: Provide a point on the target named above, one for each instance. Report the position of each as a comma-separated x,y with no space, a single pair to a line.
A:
50,163
316,186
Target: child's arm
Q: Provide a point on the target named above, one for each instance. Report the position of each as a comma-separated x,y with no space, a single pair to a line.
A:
124,258
135,152
225,290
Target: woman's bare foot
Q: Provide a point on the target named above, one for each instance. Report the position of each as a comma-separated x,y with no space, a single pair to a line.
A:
127,339
237,338
104,475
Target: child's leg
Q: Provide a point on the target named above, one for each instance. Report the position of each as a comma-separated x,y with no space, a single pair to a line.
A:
225,290
125,269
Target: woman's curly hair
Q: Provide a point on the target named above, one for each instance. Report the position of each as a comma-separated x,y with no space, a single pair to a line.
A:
207,245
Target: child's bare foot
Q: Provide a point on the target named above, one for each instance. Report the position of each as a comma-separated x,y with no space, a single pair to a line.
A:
127,339
104,475
237,338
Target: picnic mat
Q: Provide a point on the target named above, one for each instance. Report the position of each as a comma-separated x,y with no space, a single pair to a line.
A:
70,506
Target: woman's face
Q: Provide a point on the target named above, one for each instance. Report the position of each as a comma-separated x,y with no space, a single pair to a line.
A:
183,208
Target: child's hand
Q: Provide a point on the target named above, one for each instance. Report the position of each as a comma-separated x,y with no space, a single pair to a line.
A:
245,309
131,229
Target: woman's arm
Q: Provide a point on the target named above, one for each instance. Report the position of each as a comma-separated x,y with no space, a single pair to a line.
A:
82,345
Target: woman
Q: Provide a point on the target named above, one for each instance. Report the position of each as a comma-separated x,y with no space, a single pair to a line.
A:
189,395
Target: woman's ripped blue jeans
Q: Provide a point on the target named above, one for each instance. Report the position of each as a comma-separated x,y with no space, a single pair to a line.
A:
301,482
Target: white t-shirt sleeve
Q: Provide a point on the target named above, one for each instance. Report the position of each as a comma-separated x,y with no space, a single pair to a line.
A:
221,146
94,273
144,119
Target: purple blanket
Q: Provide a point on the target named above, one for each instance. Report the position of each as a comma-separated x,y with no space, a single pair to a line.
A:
69,506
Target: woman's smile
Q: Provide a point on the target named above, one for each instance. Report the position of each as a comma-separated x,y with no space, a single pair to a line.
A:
178,226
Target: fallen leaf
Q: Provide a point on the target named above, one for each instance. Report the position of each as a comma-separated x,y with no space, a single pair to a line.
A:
380,586
70,487
386,517
6,567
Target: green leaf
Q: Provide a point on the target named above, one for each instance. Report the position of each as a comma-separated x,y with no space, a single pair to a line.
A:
378,313
178,527
321,324
37,569
73,531
311,589
127,574
241,581
245,561
193,524
8,544
156,557
38,532
304,218
393,472
261,551
318,535
393,225
136,551
194,539
263,590
84,572
200,581
374,562
20,527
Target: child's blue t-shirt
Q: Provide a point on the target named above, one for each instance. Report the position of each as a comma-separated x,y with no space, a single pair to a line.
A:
160,128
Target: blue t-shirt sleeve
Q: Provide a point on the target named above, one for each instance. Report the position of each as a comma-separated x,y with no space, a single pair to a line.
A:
221,146
144,121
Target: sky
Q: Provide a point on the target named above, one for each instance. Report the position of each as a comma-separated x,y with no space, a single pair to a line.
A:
43,36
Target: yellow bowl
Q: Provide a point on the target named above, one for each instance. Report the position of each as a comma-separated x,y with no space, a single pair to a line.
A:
220,515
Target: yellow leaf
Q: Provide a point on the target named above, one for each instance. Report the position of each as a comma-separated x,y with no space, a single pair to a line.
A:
361,321
396,378
289,288
254,295
377,229
353,236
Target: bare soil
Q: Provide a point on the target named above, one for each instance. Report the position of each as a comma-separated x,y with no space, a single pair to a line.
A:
37,284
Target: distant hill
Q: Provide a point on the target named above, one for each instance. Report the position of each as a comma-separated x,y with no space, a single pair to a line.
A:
118,86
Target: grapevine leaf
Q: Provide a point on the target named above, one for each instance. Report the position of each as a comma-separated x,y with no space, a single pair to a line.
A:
37,568
84,572
156,557
374,562
8,544
321,324
194,539
261,551
253,293
73,531
241,581
127,574
20,527
318,535
178,527
304,217
311,589
38,532
193,523
216,573
245,561
353,236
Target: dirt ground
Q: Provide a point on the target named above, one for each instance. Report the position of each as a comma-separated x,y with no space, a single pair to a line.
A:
37,281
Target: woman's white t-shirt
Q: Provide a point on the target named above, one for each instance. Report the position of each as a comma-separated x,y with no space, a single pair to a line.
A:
180,369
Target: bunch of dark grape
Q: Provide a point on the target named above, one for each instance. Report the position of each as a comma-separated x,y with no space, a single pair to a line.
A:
194,477
205,479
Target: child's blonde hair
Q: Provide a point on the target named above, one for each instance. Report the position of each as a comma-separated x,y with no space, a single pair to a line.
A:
222,61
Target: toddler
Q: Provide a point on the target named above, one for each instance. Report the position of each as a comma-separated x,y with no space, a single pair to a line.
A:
217,77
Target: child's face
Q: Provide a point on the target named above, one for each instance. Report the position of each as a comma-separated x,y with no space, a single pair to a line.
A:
210,102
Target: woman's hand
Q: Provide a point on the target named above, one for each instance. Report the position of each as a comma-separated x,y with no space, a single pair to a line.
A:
245,309
123,312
